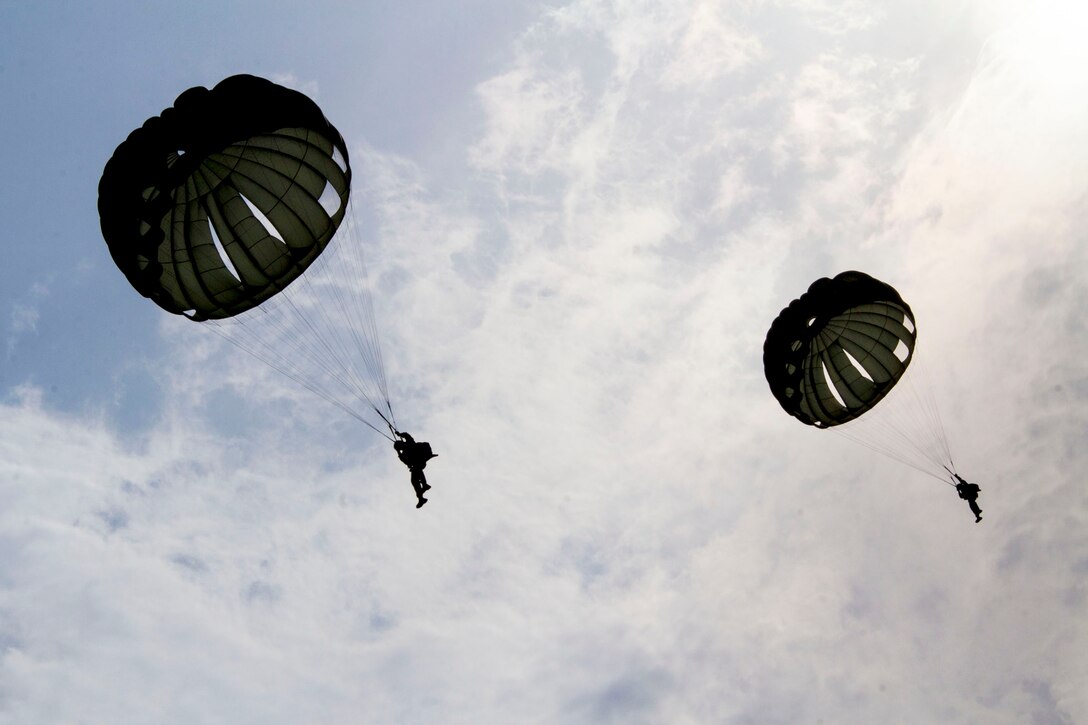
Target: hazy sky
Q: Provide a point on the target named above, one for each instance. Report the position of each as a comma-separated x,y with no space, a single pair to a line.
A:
581,218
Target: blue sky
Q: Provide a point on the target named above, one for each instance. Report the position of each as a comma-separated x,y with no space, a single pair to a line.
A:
580,219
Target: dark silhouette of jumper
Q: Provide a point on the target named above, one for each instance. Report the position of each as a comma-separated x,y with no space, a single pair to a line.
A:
969,492
415,456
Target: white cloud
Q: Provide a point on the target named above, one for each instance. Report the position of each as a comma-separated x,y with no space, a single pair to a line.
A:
839,106
624,524
529,120
25,315
837,18
712,46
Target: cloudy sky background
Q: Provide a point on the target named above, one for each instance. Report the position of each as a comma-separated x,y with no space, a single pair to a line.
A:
580,219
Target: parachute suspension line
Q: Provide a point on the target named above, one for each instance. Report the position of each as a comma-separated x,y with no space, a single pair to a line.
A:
342,278
337,362
363,308
286,337
935,414
906,427
321,331
290,361
887,451
353,297
927,415
329,352
343,273
387,421
895,437
283,366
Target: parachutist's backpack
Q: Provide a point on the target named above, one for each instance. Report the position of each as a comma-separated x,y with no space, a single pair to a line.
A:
418,455
423,451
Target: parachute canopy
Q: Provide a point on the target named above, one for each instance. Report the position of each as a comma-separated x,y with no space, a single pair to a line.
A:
224,209
224,199
838,349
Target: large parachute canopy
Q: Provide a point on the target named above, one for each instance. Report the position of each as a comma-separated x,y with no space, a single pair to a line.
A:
179,200
836,352
224,209
838,349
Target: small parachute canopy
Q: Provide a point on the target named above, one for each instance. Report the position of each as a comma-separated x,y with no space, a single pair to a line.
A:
224,199
837,350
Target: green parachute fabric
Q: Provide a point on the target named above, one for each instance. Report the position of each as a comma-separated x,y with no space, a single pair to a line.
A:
224,209
837,350
177,199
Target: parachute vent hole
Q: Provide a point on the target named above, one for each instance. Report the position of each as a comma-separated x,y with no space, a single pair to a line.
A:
811,321
791,368
181,152
909,324
857,366
330,200
223,253
796,345
339,160
789,392
265,221
831,387
901,351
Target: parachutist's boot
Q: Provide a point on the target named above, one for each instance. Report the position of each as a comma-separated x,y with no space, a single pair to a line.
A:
426,487
978,518
421,501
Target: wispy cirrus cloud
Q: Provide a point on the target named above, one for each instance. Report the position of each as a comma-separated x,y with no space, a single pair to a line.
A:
25,315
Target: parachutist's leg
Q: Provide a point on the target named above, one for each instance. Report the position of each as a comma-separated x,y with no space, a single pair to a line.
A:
975,510
419,483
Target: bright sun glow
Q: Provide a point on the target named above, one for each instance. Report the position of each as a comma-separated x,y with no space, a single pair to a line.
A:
1045,41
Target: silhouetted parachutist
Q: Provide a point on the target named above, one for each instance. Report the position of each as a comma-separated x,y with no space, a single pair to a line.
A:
969,492
415,456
